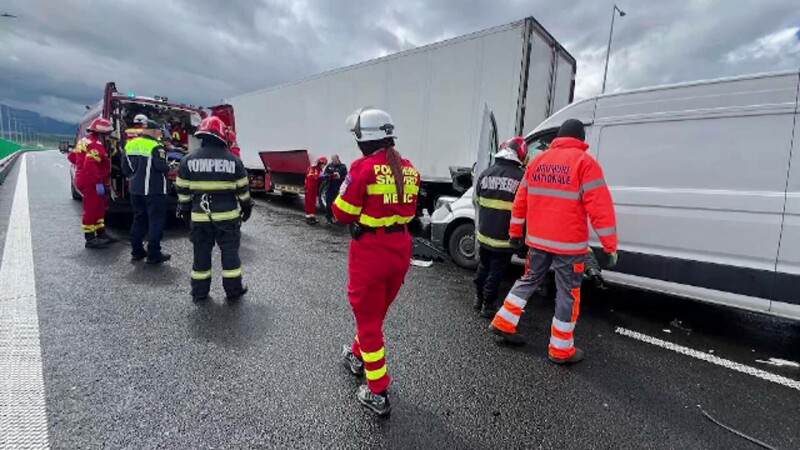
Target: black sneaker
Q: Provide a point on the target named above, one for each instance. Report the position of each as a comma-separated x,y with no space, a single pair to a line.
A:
488,311
158,259
96,243
351,362
237,295
103,234
138,256
379,404
507,338
576,358
312,220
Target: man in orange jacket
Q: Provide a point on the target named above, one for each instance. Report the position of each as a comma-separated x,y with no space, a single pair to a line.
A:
561,187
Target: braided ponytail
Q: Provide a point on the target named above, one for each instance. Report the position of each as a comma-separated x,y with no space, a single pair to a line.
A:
396,164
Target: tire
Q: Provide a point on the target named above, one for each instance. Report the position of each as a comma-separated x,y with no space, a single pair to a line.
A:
75,194
462,246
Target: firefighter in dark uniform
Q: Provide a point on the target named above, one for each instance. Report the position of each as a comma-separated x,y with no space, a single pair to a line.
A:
213,191
494,196
378,200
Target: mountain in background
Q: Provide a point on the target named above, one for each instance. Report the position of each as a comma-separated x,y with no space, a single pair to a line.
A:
41,124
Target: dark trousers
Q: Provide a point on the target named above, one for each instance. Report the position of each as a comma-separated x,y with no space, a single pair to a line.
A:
227,235
492,266
149,216
330,196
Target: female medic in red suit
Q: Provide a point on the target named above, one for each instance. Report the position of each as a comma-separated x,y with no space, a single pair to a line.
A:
378,199
313,175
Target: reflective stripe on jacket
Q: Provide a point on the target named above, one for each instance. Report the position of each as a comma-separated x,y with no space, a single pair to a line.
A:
495,191
219,176
146,166
369,195
561,187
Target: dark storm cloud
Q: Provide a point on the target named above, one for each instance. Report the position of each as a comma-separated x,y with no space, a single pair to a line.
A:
56,57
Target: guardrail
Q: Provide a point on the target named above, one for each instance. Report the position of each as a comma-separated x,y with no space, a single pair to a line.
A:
7,163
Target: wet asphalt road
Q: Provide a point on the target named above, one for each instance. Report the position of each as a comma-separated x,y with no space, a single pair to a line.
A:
130,362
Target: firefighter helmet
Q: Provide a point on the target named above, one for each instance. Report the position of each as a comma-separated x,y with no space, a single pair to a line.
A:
370,124
101,126
514,149
211,126
140,118
322,160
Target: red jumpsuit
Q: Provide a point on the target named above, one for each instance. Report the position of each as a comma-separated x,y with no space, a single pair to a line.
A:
312,189
380,258
94,167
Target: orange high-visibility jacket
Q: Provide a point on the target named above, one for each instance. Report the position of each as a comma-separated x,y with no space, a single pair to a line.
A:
563,186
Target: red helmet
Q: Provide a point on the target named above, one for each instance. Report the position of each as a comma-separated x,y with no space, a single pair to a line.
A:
211,126
231,135
322,160
101,126
518,146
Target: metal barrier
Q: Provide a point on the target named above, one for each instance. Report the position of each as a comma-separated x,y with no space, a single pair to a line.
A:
6,164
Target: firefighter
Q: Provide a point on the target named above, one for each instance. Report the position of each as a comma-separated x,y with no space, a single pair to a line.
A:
312,189
214,195
233,146
335,172
146,167
92,170
378,199
139,122
561,187
494,195
178,134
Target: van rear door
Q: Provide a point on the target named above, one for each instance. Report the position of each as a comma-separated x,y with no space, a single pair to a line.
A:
787,282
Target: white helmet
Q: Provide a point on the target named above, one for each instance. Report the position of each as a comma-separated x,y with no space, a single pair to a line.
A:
370,124
140,118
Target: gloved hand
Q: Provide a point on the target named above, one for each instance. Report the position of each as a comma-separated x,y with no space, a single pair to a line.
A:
611,260
517,243
101,189
247,210
183,215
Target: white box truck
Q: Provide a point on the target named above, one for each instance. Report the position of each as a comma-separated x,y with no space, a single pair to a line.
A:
436,94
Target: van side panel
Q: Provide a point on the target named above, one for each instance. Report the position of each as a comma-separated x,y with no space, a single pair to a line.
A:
788,263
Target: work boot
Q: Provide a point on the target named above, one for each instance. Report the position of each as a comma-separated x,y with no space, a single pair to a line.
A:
351,362
378,403
489,310
199,298
478,303
312,220
93,242
138,255
158,259
576,358
514,340
103,234
237,295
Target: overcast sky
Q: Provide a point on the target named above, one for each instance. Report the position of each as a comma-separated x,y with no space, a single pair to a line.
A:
58,54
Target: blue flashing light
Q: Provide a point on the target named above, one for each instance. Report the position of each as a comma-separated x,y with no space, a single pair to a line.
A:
131,95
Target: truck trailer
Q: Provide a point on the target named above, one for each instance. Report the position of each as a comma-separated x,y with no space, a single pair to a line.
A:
436,94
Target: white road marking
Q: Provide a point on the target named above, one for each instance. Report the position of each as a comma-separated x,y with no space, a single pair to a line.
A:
23,417
728,364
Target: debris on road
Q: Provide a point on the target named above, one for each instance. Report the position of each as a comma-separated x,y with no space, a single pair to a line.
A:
679,325
421,263
667,330
738,433
779,363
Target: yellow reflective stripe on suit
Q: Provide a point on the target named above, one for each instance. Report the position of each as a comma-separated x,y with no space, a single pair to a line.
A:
233,273
373,356
373,375
351,209
377,222
216,216
381,189
210,185
201,275
495,204
496,243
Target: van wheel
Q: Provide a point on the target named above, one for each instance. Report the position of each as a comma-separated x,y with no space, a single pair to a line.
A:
462,246
75,194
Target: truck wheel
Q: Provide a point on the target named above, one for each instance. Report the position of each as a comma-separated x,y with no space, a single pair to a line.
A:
462,246
75,194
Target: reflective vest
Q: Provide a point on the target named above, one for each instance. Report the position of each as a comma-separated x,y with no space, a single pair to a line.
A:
369,195
562,190
146,166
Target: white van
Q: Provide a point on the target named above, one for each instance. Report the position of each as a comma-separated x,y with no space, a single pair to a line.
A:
706,181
